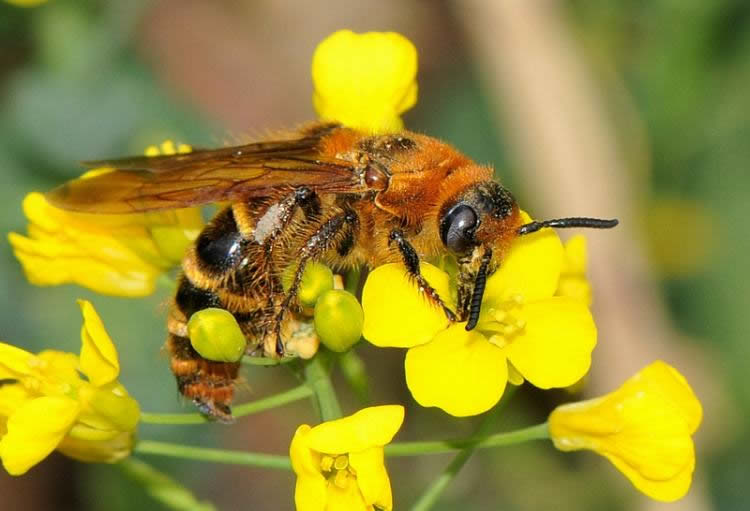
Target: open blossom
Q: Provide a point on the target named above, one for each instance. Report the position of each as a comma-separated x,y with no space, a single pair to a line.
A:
45,404
365,81
339,464
120,255
644,428
524,331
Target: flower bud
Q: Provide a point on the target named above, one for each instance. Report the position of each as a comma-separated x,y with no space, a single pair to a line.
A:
338,320
215,335
316,280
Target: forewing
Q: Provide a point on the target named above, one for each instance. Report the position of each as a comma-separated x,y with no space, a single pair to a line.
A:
204,176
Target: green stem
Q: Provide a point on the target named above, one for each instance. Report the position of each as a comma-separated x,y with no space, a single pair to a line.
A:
266,361
317,377
162,487
538,432
251,459
242,410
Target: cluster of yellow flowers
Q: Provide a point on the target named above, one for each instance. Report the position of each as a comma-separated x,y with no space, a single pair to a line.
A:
535,325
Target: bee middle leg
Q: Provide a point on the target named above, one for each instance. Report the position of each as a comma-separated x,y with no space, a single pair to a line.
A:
338,229
410,259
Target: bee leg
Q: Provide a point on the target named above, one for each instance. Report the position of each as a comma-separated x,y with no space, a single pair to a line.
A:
411,261
337,229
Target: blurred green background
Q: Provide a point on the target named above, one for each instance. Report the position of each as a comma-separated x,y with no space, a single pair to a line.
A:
92,79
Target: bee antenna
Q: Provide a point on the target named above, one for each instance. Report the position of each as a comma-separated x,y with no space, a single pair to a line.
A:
476,296
561,223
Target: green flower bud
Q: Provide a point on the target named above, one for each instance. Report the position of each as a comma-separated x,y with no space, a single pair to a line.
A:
316,280
215,335
338,320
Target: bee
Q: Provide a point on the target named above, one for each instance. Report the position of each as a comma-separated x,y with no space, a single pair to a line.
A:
325,193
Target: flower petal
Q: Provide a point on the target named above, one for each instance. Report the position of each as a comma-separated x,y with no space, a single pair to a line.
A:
665,490
396,314
370,427
14,361
643,428
372,477
554,349
459,371
345,499
35,430
310,491
98,354
673,387
531,268
365,81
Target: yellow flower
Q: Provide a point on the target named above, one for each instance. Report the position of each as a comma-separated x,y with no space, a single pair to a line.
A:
573,282
524,331
644,428
339,464
118,255
45,404
365,81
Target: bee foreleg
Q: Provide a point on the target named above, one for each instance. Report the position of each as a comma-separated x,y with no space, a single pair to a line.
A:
328,235
410,259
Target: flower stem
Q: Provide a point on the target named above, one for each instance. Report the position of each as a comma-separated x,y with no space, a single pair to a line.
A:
436,488
163,488
317,377
538,432
242,410
251,459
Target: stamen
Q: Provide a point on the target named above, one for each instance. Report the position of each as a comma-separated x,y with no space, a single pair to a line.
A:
341,462
326,463
341,479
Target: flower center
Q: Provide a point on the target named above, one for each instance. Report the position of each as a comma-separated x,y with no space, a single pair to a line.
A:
502,323
336,469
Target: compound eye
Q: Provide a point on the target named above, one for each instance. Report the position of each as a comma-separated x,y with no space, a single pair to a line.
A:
457,228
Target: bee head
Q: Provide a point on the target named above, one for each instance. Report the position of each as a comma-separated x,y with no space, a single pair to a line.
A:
484,214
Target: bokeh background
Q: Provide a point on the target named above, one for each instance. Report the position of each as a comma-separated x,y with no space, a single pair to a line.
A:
637,110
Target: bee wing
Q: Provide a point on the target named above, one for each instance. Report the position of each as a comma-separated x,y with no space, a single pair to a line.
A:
203,176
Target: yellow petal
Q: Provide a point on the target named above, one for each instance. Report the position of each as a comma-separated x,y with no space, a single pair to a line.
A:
372,477
666,490
531,268
643,428
110,254
14,362
112,447
396,314
370,427
365,81
459,371
12,397
34,431
310,490
673,387
554,348
576,255
573,282
57,370
98,354
344,499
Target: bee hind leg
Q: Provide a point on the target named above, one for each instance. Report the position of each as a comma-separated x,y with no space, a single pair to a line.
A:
410,259
338,229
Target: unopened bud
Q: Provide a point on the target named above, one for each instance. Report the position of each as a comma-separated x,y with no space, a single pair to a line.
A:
215,335
338,320
316,280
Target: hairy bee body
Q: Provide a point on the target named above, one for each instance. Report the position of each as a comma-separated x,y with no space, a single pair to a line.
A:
325,193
